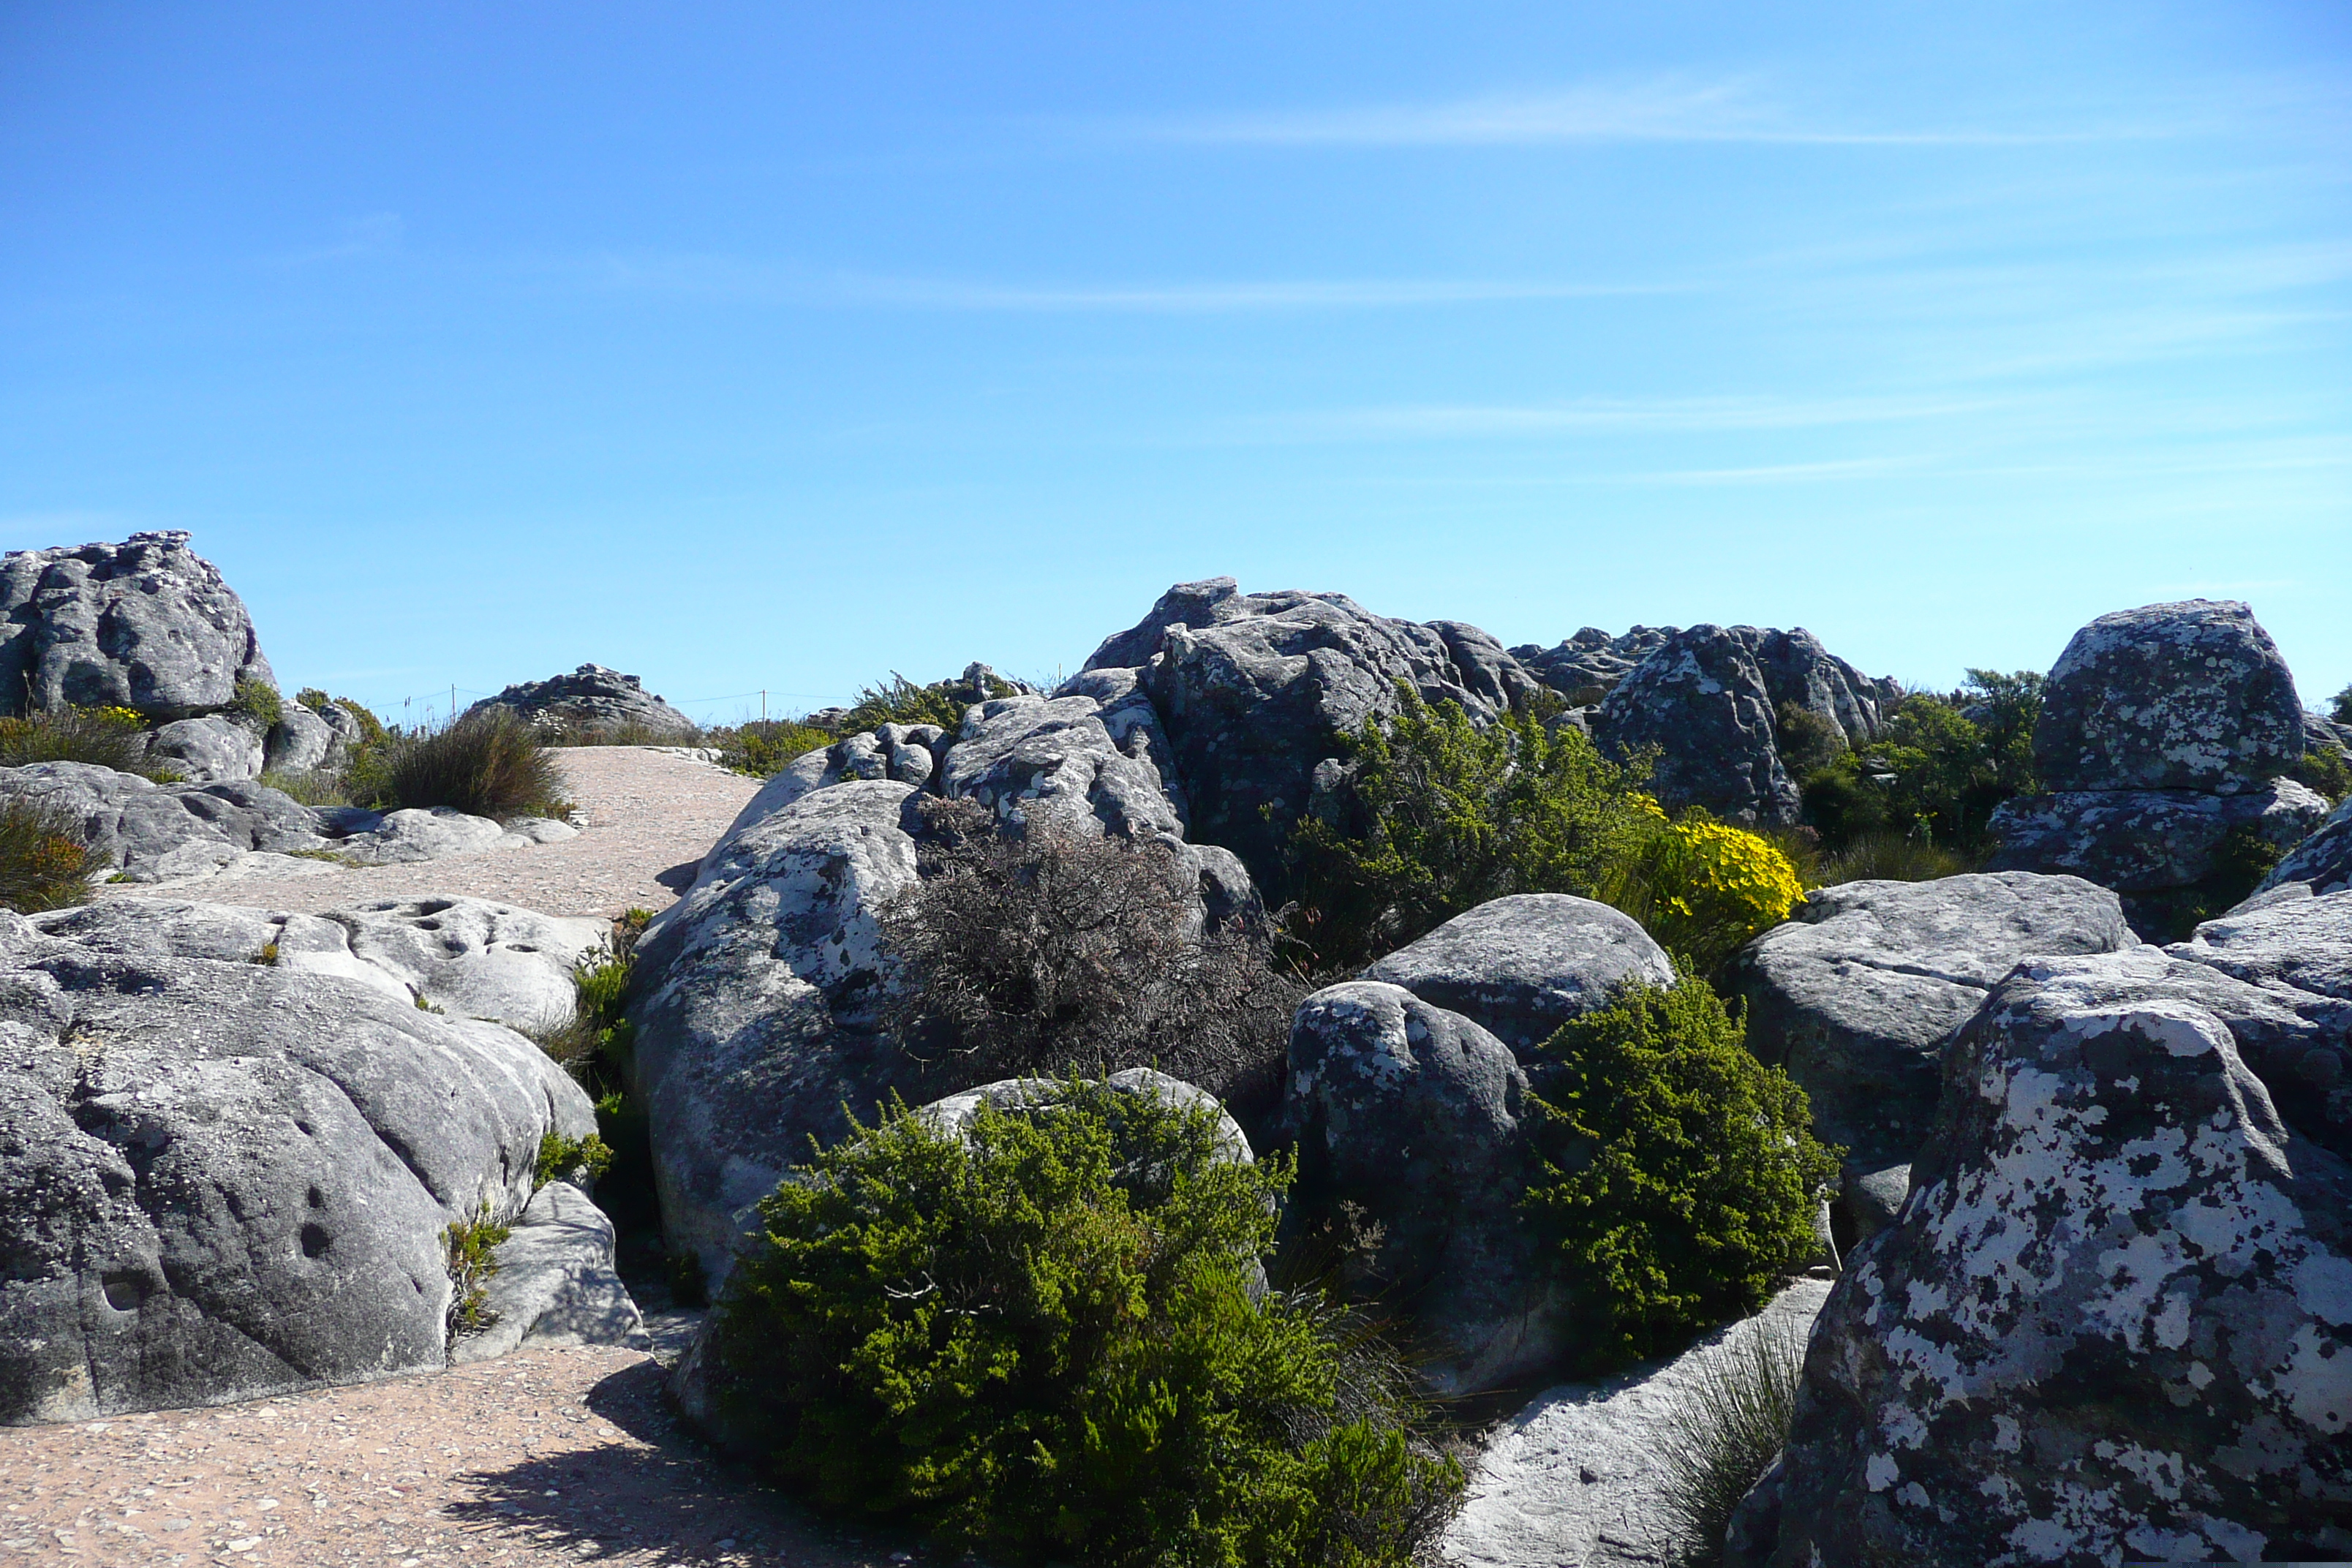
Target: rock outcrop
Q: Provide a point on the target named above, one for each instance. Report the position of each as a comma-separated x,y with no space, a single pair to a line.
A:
1415,1116
1861,994
590,697
555,1285
1701,704
2113,1318
1588,665
2321,863
222,1177
1520,967
1254,690
211,749
146,624
2192,696
2163,734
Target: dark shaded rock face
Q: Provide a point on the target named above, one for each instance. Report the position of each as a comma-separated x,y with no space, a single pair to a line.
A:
590,697
147,623
2114,1319
2190,696
1799,671
1591,660
1416,1115
1859,996
1522,967
1254,689
1701,702
222,1178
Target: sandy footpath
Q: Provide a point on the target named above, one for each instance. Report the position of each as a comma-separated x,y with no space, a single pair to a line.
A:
543,1457
651,817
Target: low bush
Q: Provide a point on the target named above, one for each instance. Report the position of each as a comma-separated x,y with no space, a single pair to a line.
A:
1935,777
1440,814
106,737
1039,1341
765,748
313,699
2340,706
2325,770
1680,1177
471,1246
578,1160
489,764
1887,857
44,863
1807,741
591,1042
1726,1425
259,700
1058,950
1703,887
899,700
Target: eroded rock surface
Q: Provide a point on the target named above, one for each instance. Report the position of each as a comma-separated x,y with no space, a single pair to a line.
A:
590,697
555,1285
1520,967
146,624
222,1178
1700,701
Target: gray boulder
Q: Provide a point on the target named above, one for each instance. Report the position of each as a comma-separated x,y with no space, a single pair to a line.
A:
2191,696
300,742
954,1113
222,1178
1861,994
1701,702
756,1019
1799,672
406,837
1416,1115
2322,863
207,751
1255,690
2148,842
2298,945
590,697
1520,967
146,624
555,1285
343,722
1133,725
1592,660
140,826
473,957
2111,1321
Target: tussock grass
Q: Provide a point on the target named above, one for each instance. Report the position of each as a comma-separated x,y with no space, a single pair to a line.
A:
1728,1426
491,765
44,863
106,737
1890,858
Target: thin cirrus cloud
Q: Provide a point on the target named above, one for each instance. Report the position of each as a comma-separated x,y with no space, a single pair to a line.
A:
1507,421
1662,109
722,278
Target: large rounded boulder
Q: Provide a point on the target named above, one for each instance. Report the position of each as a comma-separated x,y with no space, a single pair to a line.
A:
1520,967
1701,706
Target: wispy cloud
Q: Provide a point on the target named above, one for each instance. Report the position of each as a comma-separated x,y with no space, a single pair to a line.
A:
1506,421
364,236
729,278
1654,108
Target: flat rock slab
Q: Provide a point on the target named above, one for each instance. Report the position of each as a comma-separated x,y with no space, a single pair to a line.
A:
1574,1480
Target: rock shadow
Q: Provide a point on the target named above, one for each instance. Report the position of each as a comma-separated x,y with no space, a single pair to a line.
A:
680,877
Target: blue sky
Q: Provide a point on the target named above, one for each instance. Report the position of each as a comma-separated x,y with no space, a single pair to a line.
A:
783,346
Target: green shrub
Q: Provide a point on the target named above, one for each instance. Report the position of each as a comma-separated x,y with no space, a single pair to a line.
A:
471,1246
1441,816
1680,1175
105,737
1728,1422
2340,707
900,701
562,1158
1888,857
1058,950
1702,888
313,699
1807,741
2325,770
372,730
488,764
259,700
310,787
1039,1341
765,749
44,862
1944,764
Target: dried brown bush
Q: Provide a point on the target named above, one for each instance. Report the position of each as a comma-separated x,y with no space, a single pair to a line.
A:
1058,950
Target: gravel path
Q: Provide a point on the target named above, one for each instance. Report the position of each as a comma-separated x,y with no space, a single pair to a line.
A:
652,815
543,1457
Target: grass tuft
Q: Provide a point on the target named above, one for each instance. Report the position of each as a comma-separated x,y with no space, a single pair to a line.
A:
1729,1422
44,863
471,1261
492,764
104,737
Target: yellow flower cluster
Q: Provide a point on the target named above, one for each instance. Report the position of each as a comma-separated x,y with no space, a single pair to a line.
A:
1713,887
130,717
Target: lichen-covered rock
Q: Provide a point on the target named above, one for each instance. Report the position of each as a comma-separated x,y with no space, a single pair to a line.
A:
1415,1115
2114,1321
1592,662
2145,841
590,697
1859,995
954,1113
146,624
1255,690
1799,672
222,1178
555,1285
1520,967
1701,702
405,838
207,751
756,1020
475,956
2191,696
2302,946
2321,863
